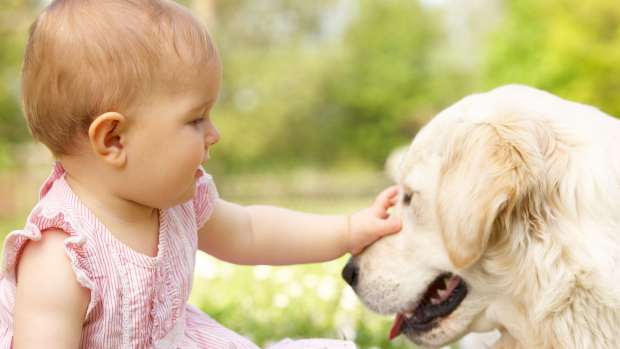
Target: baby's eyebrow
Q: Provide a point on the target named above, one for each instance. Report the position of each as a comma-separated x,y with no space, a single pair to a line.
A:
200,106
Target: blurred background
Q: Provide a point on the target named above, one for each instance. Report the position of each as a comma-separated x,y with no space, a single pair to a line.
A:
316,95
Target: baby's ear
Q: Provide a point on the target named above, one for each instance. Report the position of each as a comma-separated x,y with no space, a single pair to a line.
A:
106,138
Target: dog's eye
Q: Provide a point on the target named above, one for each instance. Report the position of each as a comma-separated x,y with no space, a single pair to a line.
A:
407,198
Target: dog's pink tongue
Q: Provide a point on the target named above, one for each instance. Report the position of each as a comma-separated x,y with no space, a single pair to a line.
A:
397,328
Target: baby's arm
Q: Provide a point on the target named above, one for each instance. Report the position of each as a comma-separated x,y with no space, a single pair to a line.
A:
50,304
276,236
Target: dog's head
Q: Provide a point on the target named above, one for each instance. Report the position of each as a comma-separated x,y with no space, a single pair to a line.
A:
478,183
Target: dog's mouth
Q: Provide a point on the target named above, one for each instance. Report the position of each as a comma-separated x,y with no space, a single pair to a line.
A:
441,298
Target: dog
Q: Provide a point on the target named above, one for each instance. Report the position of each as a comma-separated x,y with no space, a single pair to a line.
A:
511,222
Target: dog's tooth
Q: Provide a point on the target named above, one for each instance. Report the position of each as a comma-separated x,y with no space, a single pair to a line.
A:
442,293
435,301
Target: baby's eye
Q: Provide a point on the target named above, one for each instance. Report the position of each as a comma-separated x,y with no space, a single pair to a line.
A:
197,122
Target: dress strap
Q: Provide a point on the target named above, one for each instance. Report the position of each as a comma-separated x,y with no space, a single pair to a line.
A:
57,172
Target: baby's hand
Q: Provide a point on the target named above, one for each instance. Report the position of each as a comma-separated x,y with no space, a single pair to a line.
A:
369,224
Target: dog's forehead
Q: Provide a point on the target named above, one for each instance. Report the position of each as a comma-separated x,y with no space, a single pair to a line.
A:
431,142
422,171
433,138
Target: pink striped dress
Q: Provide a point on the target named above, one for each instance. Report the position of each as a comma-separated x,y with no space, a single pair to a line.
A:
136,301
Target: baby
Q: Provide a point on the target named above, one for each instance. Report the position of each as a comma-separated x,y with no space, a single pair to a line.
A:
121,92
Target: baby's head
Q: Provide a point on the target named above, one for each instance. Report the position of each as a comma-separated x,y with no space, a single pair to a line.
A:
87,57
113,78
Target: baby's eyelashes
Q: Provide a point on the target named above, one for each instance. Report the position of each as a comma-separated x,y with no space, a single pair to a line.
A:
197,122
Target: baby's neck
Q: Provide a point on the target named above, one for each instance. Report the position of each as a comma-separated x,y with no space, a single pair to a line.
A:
132,223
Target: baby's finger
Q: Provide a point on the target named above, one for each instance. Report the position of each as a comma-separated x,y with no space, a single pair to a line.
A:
391,225
394,200
384,200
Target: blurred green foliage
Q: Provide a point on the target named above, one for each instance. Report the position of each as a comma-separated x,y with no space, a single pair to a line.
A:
376,81
14,19
268,304
568,47
298,96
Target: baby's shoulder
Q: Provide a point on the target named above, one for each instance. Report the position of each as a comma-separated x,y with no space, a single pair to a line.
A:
45,255
46,276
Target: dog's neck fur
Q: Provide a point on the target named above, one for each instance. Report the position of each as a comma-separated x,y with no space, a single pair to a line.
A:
574,307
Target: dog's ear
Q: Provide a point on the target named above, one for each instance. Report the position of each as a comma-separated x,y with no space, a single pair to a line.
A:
485,170
394,163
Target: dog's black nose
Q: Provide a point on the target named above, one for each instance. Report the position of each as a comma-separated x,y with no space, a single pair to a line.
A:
350,273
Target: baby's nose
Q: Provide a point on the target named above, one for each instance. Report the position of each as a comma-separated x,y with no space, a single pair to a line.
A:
212,135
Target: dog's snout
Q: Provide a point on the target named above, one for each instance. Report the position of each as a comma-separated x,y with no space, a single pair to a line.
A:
350,273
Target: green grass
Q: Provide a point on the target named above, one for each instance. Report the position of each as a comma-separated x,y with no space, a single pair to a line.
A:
271,303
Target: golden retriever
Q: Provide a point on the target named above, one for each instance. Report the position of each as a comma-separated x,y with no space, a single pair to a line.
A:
511,221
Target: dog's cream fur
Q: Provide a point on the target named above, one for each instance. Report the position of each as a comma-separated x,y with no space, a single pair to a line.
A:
518,192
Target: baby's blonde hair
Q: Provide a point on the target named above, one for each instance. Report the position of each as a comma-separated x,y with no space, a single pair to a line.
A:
87,57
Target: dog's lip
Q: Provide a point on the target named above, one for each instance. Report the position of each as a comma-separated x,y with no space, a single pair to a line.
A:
437,302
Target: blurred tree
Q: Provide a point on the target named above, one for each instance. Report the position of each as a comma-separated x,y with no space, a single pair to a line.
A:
330,83
272,64
14,20
346,78
379,87
568,47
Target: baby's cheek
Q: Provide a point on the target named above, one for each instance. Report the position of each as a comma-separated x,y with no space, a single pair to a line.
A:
194,150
